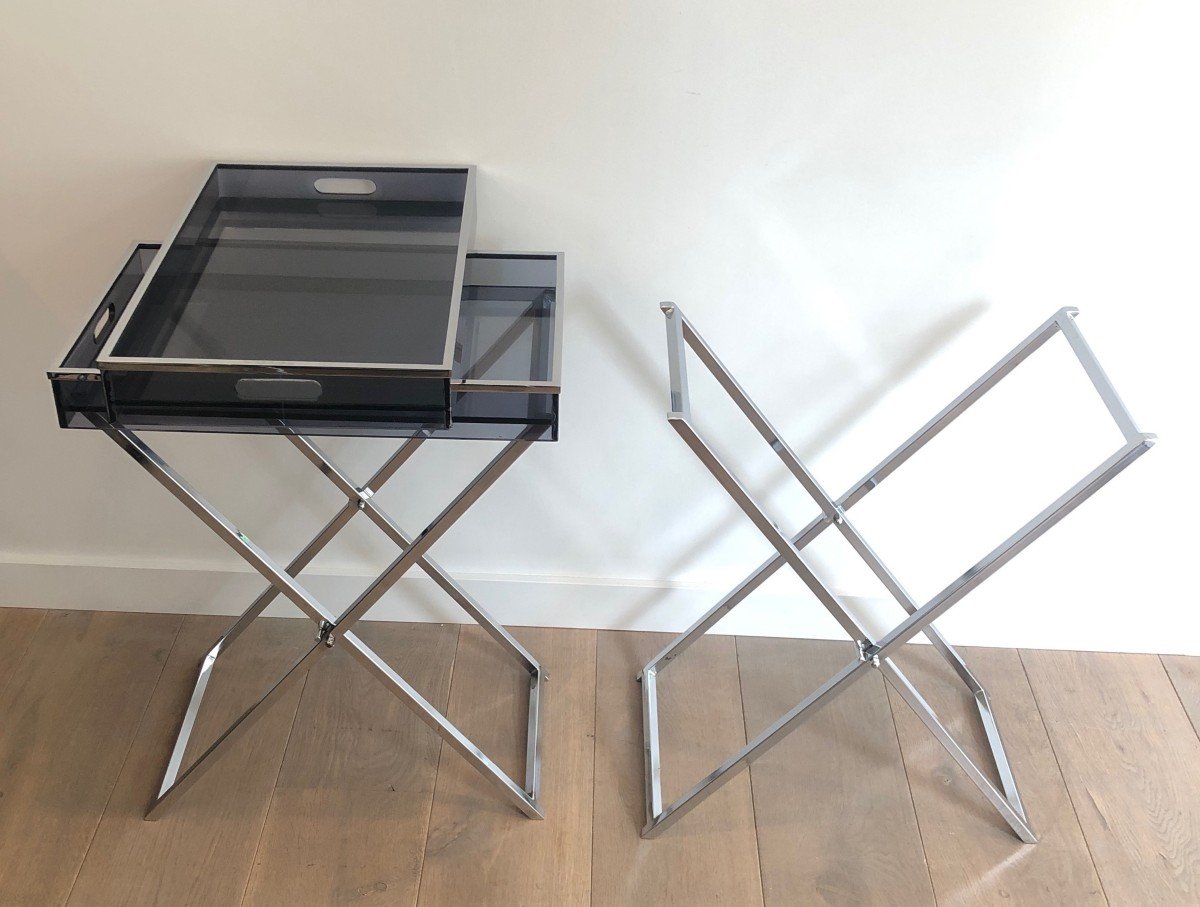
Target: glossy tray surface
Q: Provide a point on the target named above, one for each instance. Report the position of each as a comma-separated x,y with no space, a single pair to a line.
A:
507,329
306,270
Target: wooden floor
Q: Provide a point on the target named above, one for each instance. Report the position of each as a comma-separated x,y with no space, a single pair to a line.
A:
340,795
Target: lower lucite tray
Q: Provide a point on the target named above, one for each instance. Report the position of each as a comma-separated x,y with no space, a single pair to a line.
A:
504,384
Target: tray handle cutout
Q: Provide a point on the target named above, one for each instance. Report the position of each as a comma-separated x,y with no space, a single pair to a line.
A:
107,315
278,390
336,185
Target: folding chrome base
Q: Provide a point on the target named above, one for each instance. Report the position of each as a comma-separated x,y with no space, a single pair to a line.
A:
336,628
871,653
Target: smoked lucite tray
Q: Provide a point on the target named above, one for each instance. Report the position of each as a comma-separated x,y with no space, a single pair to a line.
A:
342,301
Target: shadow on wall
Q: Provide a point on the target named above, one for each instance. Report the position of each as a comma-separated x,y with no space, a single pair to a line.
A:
923,347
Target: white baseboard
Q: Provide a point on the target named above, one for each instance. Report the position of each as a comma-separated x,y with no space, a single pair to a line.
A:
591,603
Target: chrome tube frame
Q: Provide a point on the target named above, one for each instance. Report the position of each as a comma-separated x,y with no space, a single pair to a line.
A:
1006,799
333,628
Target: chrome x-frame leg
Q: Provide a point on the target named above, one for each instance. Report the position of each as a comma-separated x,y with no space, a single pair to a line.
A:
871,652
337,628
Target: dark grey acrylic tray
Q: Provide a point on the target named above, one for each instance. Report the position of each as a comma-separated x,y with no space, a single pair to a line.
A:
504,379
299,269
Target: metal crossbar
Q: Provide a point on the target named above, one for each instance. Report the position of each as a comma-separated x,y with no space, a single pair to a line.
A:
337,628
871,652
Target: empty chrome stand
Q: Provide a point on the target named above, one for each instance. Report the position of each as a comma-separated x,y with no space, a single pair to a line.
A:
872,653
336,629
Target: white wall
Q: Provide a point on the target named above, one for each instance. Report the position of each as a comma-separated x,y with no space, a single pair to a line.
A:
862,204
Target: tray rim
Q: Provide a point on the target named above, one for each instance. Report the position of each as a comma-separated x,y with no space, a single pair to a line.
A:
106,360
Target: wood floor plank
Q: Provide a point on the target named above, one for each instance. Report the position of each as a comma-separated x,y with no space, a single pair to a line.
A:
831,802
1184,672
480,849
201,850
974,858
17,626
711,856
1131,760
66,722
350,812
87,716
